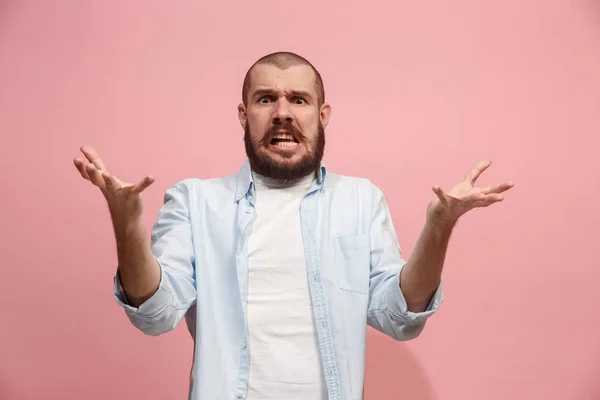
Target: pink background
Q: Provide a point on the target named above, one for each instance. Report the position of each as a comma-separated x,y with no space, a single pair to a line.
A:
420,91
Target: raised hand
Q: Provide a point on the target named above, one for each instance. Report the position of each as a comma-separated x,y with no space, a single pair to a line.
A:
124,200
451,205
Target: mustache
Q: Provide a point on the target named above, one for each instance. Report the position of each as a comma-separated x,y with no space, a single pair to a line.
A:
282,127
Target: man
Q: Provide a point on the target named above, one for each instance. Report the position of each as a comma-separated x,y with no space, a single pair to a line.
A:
279,268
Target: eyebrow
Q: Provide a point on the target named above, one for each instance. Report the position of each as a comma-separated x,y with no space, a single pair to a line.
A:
296,92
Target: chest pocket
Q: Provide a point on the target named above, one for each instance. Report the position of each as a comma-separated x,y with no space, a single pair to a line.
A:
353,262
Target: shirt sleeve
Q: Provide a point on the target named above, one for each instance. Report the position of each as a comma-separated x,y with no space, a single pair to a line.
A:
173,249
388,311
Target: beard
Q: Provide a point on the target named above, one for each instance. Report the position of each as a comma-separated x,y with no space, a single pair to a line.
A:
263,164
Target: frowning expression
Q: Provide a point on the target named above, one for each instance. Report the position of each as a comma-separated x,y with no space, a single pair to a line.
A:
283,121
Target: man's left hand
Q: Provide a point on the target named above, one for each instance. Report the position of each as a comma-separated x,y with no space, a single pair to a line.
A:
451,205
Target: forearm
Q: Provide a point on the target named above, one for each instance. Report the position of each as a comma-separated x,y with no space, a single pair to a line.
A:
138,270
422,273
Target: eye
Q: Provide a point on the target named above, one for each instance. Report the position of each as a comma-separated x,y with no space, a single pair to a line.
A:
299,100
266,99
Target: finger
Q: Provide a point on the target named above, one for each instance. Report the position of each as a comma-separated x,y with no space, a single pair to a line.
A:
92,155
490,199
80,165
441,194
499,188
112,185
477,170
142,185
95,176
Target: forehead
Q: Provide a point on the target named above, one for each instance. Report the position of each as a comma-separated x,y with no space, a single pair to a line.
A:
296,77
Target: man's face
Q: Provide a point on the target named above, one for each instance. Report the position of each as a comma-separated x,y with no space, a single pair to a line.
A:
283,123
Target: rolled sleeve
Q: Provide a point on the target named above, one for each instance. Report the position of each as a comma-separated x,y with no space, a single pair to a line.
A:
154,305
396,302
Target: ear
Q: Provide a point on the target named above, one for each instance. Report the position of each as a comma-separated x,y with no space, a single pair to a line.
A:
242,114
325,114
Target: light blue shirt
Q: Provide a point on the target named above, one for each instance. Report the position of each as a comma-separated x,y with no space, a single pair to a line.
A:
353,264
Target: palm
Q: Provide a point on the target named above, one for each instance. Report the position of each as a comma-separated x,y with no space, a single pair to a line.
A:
123,198
122,188
465,196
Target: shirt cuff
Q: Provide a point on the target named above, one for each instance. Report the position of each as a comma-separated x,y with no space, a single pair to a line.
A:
154,305
396,302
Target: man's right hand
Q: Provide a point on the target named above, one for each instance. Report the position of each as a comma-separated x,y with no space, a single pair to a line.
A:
124,200
139,271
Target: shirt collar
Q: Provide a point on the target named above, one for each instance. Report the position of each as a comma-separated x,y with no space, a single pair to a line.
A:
245,182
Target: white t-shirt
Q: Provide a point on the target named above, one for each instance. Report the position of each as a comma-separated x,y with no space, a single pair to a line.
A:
283,349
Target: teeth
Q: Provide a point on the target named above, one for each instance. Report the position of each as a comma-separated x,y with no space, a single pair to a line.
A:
284,136
286,144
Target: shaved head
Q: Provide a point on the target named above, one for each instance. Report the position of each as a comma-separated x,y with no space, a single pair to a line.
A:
284,116
283,60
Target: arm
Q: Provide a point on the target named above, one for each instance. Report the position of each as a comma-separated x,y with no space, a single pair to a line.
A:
422,273
155,285
388,310
138,270
404,294
173,255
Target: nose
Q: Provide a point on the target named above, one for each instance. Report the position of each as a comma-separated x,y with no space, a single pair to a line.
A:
282,112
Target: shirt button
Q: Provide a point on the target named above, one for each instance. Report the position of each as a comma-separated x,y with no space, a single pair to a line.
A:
240,394
248,210
244,345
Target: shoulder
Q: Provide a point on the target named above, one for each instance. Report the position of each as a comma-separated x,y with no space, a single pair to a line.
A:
203,187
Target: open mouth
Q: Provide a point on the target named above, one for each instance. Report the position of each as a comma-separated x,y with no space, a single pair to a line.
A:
284,140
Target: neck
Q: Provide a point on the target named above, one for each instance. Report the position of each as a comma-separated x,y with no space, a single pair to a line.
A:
282,183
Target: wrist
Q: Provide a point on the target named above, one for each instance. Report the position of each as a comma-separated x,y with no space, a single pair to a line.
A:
438,219
125,223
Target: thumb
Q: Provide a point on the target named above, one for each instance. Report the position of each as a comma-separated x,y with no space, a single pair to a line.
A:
142,185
